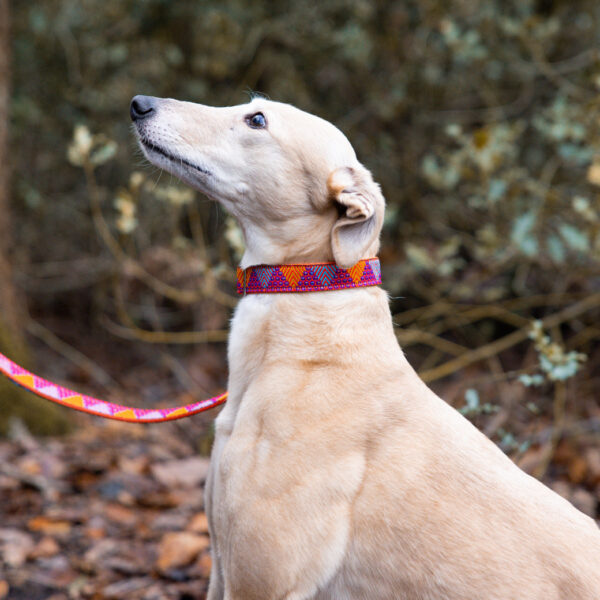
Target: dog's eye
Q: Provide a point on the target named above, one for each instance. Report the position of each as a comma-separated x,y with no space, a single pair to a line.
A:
256,121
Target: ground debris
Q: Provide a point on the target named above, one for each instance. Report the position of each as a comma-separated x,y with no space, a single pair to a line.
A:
124,518
188,472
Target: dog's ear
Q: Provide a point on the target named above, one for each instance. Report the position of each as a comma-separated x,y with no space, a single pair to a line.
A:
361,205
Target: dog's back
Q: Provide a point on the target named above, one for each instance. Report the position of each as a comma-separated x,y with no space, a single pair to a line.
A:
457,520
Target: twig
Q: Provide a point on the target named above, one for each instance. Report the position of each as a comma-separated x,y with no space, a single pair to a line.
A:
50,489
70,353
155,337
458,319
493,348
182,375
416,336
432,359
164,337
538,300
585,335
584,427
62,268
443,307
549,72
492,378
486,114
574,63
59,276
425,312
197,232
558,408
133,267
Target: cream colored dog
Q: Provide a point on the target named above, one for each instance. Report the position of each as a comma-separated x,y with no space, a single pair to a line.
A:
336,473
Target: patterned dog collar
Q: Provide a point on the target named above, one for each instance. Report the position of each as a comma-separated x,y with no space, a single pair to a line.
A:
307,277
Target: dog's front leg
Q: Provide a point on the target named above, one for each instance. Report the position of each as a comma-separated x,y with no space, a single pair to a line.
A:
216,587
278,539
243,596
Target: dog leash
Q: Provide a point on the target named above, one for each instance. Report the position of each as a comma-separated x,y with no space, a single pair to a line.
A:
261,279
100,408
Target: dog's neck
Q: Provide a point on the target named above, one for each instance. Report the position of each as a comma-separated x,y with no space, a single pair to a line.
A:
275,334
303,239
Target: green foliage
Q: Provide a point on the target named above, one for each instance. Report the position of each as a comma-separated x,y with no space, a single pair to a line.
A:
531,380
473,407
556,363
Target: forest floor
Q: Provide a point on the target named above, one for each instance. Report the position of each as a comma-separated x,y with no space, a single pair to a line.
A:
112,510
116,510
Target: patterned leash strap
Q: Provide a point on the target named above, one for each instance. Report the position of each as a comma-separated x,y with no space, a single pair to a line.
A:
100,408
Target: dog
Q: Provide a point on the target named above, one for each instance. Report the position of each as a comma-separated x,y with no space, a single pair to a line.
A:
336,473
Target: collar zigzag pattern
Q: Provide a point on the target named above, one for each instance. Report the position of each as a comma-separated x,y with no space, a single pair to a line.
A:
307,277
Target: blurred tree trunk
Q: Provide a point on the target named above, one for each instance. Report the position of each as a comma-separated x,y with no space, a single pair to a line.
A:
39,415
9,328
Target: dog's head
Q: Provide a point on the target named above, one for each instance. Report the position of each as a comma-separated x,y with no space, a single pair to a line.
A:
290,178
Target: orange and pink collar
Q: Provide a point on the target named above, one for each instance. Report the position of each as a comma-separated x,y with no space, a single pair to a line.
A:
307,277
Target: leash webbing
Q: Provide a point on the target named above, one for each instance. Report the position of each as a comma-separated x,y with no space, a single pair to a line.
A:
100,408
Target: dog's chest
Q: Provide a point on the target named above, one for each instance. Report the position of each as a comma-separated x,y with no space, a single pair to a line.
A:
237,435
248,340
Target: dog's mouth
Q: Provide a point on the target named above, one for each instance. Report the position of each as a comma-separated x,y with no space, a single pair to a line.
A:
176,161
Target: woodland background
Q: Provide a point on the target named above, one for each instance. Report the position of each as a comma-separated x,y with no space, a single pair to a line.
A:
479,119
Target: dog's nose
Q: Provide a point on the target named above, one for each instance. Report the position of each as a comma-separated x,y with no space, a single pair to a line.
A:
142,107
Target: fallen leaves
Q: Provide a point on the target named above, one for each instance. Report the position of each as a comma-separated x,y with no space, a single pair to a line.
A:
15,546
49,527
204,565
199,523
188,472
121,515
47,547
124,519
180,549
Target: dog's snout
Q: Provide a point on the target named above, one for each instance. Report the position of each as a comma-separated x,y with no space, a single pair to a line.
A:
142,107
